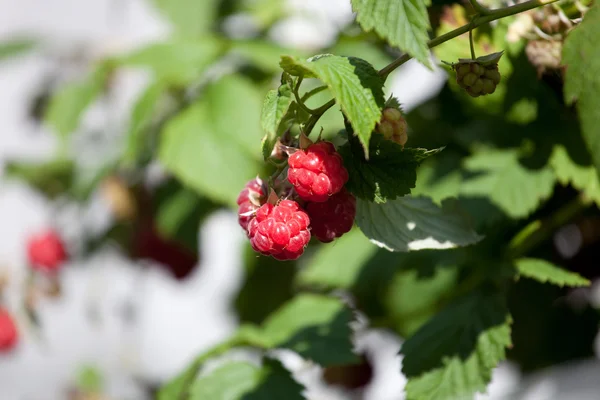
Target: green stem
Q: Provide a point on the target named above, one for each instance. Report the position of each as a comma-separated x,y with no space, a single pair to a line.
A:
539,230
312,92
471,44
299,100
479,9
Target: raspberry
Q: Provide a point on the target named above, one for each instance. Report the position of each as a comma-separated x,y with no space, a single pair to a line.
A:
8,331
333,218
317,172
46,251
393,126
477,79
280,231
249,200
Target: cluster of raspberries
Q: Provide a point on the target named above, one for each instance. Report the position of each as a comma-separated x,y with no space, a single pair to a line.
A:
317,206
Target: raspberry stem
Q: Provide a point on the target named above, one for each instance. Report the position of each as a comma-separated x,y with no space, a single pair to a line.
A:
471,40
299,100
480,9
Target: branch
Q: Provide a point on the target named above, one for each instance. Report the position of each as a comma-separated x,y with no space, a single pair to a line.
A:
476,22
479,9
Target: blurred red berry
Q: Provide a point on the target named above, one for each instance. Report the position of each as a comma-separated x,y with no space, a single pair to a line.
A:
332,218
317,172
46,251
249,200
8,331
280,231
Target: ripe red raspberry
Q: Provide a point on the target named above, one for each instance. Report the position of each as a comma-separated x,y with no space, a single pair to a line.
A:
280,231
333,218
46,251
317,172
249,200
8,331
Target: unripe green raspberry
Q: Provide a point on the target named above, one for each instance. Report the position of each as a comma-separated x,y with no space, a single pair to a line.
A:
477,87
386,129
488,86
462,70
480,76
493,75
470,79
477,69
393,126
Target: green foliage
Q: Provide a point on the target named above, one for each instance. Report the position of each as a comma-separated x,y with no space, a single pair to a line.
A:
178,62
67,105
354,83
338,266
470,338
189,17
390,171
89,380
441,238
244,381
510,185
276,105
201,145
412,299
582,78
142,117
314,326
402,23
582,177
543,271
414,223
15,47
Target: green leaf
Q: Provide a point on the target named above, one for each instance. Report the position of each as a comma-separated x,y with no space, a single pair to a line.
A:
314,326
338,266
354,83
470,338
142,116
235,106
403,23
516,189
68,104
89,379
241,380
179,62
543,271
203,145
276,105
190,17
14,47
391,171
411,299
261,54
179,213
414,223
582,78
581,177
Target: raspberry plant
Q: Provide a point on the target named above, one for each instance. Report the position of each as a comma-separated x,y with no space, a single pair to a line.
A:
435,222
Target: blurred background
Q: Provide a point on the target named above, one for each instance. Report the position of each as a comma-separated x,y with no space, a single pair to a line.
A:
155,267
